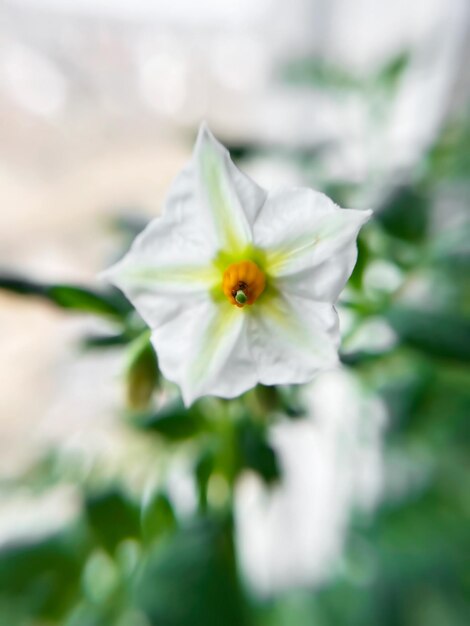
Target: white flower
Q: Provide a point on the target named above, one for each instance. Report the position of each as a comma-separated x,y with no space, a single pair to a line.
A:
236,283
292,534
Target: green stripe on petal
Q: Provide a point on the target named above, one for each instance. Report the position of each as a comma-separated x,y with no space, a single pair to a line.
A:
215,345
230,221
328,228
301,228
278,311
272,310
291,339
189,277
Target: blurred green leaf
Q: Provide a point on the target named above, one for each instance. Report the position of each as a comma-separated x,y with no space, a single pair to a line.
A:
449,158
173,421
441,334
83,299
291,402
87,614
203,471
256,452
157,517
106,341
112,517
43,576
109,302
440,417
130,222
363,257
191,578
319,73
267,397
143,375
411,547
101,579
391,72
402,379
405,214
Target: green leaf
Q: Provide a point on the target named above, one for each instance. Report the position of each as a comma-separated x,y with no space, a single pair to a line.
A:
173,421
157,517
319,73
42,576
130,222
87,300
256,452
290,400
442,334
389,75
143,375
405,214
191,578
109,302
440,419
363,256
93,342
402,379
203,471
112,517
449,158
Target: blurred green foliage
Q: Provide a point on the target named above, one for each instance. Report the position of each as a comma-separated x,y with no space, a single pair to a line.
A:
319,74
131,559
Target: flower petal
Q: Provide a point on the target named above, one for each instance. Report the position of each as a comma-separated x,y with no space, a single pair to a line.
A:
172,275
169,274
164,269
292,339
211,206
313,254
204,349
229,201
200,342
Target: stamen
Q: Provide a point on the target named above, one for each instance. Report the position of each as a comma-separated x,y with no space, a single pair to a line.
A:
243,283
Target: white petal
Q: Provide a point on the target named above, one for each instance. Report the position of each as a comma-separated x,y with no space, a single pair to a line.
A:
325,281
169,274
200,342
228,200
164,270
239,372
204,349
292,339
172,276
311,242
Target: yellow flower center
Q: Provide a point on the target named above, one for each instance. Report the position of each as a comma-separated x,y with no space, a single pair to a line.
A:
243,283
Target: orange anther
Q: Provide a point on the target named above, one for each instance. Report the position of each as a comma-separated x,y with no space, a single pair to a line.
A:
243,278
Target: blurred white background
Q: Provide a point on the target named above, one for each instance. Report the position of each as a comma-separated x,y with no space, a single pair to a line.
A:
99,101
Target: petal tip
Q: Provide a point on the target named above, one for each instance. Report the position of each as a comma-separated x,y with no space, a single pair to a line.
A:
188,398
111,274
204,126
204,133
107,275
206,139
